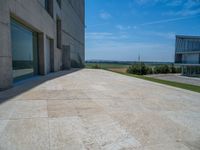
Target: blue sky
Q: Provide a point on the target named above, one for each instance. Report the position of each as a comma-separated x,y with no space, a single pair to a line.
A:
123,29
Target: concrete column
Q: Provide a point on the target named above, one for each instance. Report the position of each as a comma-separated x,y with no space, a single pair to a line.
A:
199,58
66,62
49,55
6,77
182,71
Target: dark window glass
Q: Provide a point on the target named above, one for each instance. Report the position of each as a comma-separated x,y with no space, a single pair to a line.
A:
24,50
199,58
58,26
49,7
59,3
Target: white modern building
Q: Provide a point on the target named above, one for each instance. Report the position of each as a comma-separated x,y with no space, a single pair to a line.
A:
187,54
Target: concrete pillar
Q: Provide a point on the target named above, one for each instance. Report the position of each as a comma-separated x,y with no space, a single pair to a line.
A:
49,55
6,77
44,55
182,71
66,62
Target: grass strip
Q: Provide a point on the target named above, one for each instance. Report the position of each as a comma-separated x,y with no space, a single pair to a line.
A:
190,87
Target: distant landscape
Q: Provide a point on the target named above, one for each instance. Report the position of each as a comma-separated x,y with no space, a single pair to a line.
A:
146,71
121,66
125,62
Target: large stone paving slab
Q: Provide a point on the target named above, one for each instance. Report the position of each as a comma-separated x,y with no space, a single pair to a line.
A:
98,110
66,133
23,134
61,108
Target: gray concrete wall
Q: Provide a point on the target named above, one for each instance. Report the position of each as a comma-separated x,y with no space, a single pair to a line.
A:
33,14
73,30
5,48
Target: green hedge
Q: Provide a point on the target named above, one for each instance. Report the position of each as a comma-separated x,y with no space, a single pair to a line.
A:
142,69
139,69
162,69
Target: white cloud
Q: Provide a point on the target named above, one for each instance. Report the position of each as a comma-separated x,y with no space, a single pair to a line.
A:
174,3
135,27
166,35
96,25
189,7
184,12
105,15
113,50
119,46
142,2
105,36
151,2
98,35
168,20
121,27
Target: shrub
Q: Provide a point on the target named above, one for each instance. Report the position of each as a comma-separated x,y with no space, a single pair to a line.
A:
162,69
172,69
139,69
142,69
178,70
149,70
96,66
77,63
166,69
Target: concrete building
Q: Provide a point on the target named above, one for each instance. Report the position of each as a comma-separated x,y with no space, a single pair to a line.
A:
187,54
38,37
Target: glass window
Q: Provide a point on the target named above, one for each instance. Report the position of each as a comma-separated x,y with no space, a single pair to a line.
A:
24,50
58,26
59,3
49,7
48,55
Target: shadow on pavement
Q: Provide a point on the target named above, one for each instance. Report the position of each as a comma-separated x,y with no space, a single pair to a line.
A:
27,84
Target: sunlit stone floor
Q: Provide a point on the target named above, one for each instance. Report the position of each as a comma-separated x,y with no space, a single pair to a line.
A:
98,110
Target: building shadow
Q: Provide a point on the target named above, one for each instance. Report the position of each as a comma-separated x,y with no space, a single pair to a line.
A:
27,84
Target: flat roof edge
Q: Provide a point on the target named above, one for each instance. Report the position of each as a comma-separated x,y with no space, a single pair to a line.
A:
187,64
188,36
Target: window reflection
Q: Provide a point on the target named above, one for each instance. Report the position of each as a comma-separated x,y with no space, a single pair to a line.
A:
22,50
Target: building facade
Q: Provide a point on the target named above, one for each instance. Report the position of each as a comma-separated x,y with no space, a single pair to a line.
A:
187,54
40,36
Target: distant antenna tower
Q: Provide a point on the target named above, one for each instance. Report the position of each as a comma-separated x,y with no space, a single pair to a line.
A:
139,57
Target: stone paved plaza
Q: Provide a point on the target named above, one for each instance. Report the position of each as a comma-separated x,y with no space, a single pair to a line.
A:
98,110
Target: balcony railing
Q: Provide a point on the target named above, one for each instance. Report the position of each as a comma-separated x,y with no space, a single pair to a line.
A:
187,50
187,62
